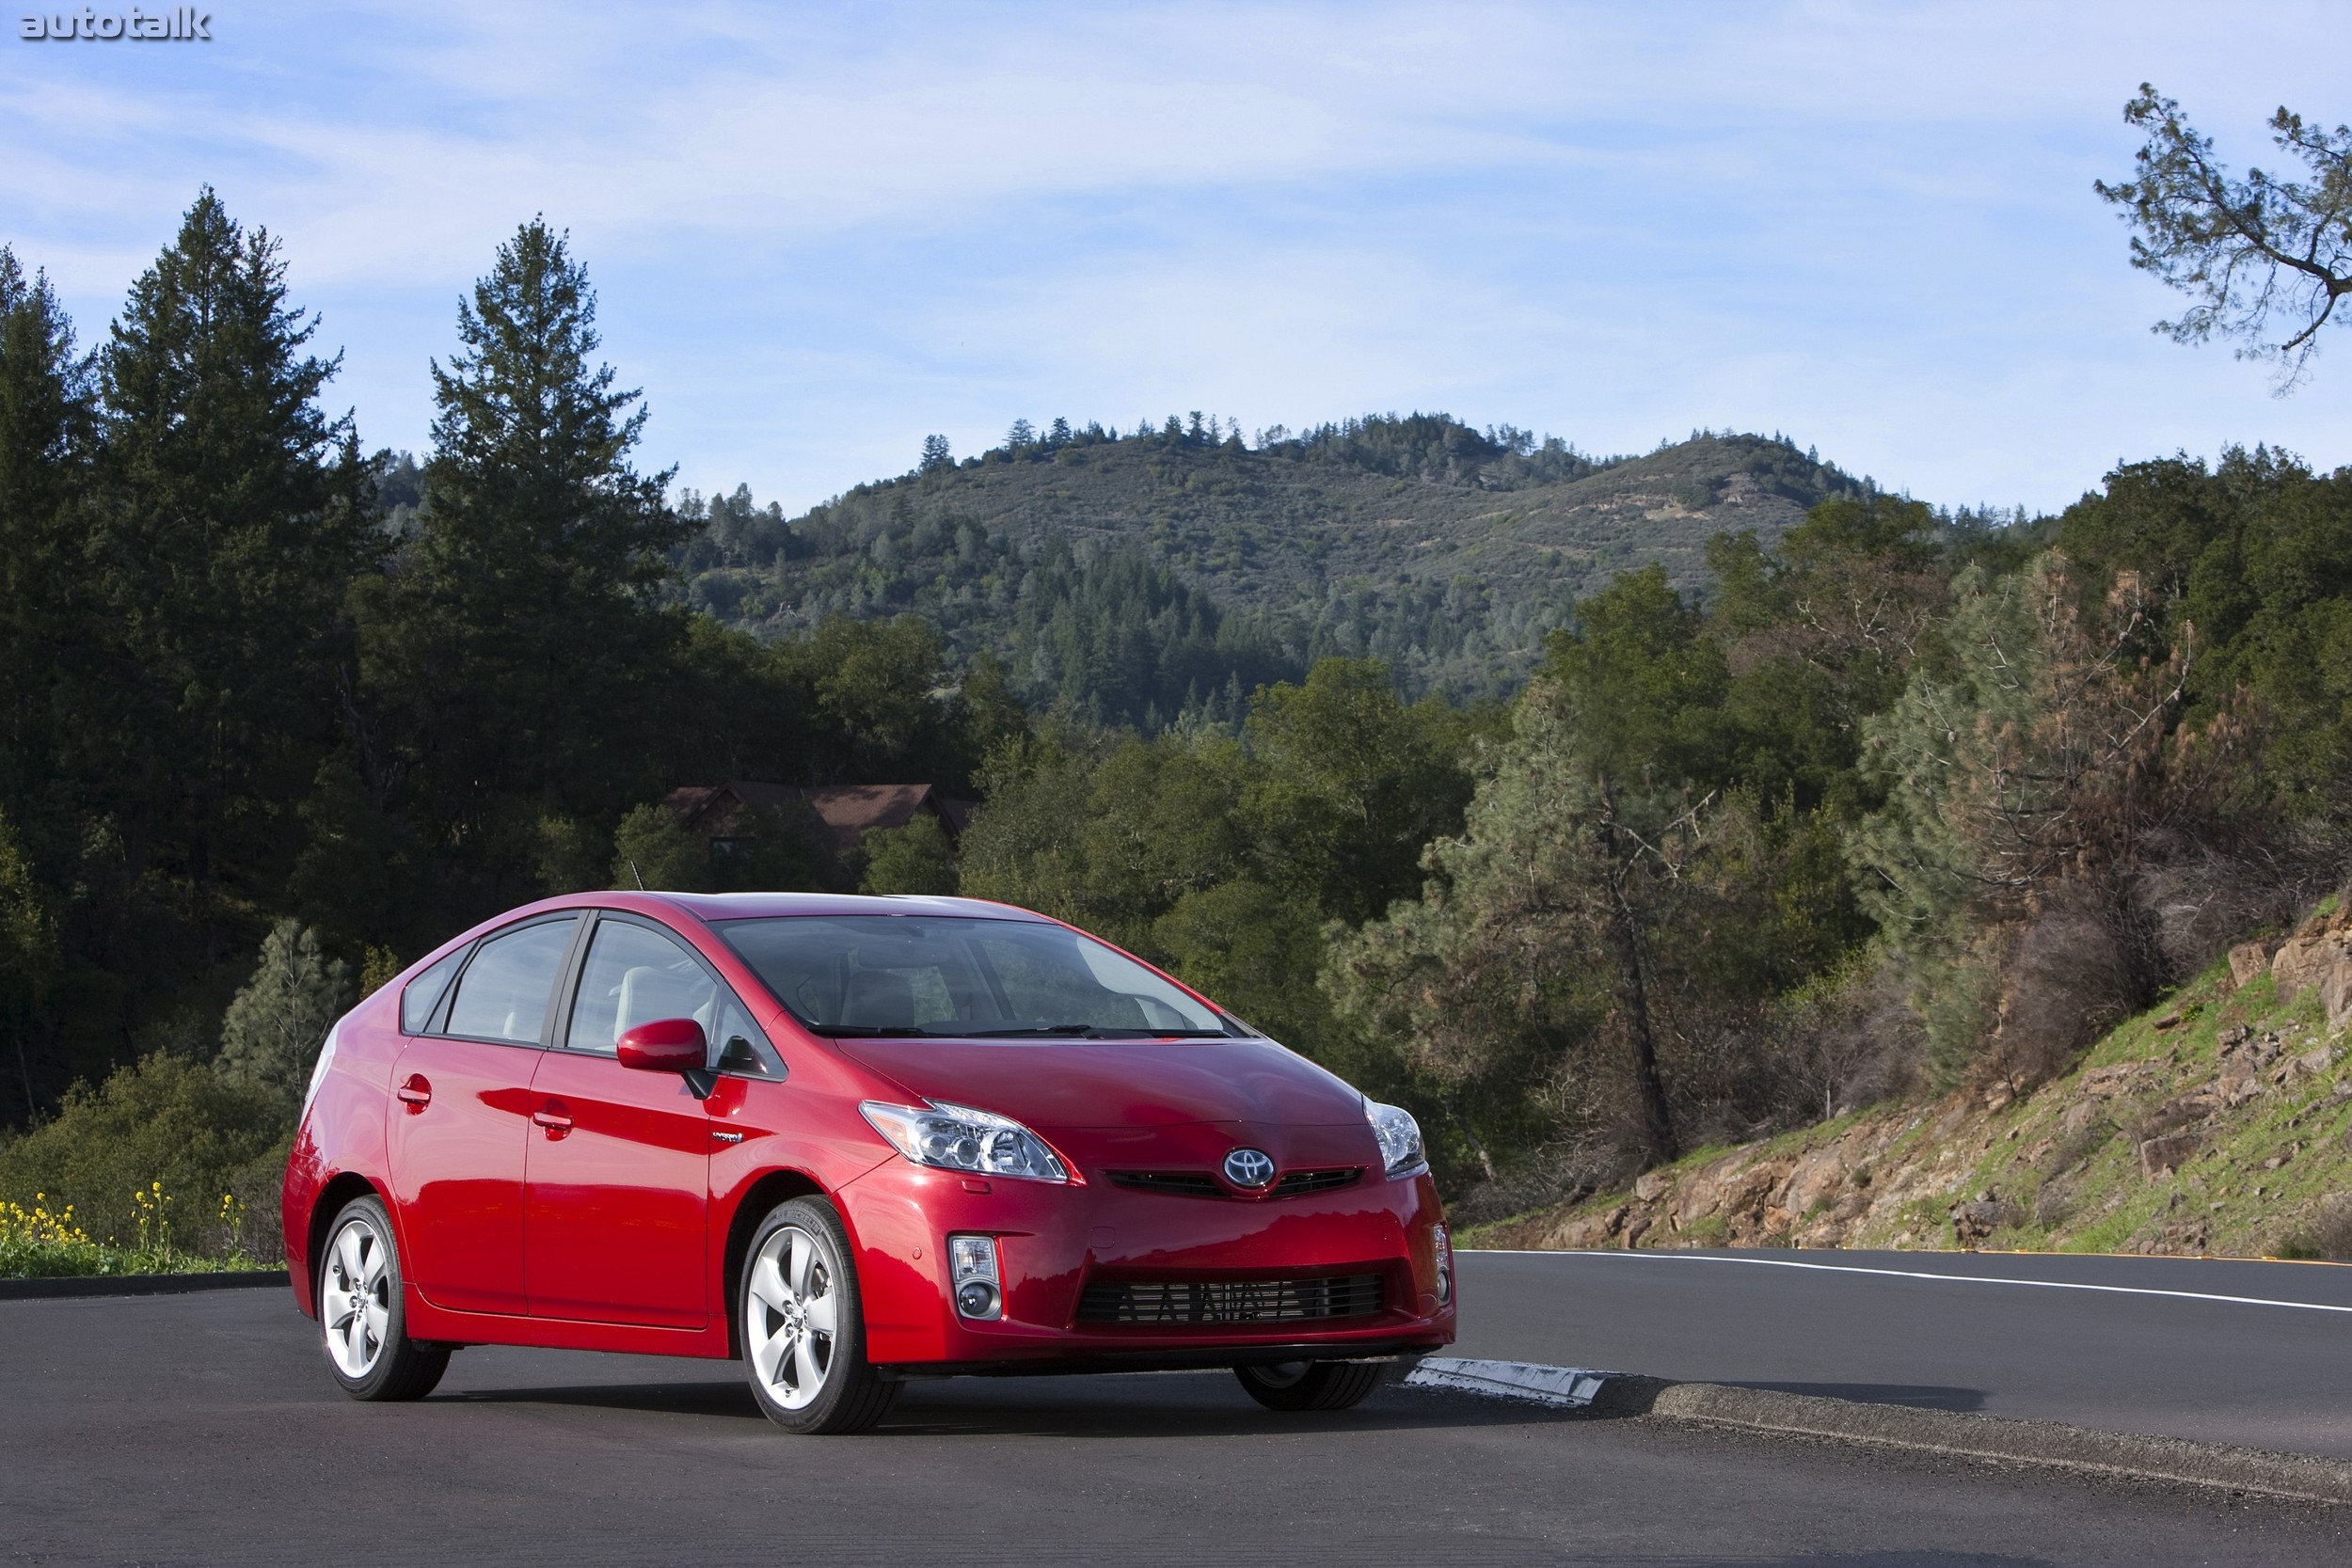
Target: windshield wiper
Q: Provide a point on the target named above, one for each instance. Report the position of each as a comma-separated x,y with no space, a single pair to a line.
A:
1095,1031
868,1031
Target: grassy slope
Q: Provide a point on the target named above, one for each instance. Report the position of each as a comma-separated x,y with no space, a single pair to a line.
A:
2058,1169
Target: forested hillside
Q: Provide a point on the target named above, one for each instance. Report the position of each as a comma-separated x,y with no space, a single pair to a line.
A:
1132,577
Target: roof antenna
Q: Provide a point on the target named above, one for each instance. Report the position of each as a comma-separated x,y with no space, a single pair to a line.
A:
639,875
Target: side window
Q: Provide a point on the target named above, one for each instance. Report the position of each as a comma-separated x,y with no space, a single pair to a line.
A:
504,993
422,995
635,976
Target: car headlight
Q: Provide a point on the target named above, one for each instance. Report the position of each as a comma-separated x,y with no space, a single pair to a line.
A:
1400,1137
957,1137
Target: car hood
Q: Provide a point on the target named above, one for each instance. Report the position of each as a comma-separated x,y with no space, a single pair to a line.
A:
1128,1083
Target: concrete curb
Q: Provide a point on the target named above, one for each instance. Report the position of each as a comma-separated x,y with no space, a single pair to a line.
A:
1572,1386
2303,1477
137,1284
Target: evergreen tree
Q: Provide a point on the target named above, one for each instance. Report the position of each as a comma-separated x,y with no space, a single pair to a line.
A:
1532,962
226,531
46,635
519,650
27,957
2265,258
281,1017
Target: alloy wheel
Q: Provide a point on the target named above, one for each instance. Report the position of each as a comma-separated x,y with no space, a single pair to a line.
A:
792,1317
355,1297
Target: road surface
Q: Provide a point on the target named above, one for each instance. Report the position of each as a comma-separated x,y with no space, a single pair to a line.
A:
201,1429
2224,1349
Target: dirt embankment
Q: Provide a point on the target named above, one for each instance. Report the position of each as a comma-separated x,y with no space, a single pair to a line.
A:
2218,1122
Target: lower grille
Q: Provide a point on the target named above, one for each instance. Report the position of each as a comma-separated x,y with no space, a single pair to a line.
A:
1230,1300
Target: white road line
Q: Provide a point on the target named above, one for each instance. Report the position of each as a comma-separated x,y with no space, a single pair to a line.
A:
1918,1273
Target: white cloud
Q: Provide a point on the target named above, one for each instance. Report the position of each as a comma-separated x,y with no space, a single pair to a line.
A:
822,233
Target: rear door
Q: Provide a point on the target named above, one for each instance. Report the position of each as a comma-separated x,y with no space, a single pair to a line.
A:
461,1094
618,1170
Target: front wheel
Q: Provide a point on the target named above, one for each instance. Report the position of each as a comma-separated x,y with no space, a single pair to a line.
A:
362,1317
1311,1385
803,1335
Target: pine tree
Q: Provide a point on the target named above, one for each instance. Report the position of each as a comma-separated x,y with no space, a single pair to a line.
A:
28,954
228,528
46,635
519,649
1533,956
279,1019
936,455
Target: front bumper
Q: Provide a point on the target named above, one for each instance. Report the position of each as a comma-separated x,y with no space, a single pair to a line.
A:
1053,1241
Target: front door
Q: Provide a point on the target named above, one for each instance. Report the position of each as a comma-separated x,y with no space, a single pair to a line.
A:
458,1119
618,1172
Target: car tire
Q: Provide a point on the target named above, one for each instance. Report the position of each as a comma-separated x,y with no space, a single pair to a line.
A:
802,1326
1311,1385
363,1316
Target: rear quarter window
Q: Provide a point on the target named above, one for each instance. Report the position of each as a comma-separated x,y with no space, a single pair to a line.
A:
421,997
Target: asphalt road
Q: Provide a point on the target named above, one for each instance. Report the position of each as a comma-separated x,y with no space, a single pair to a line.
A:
200,1428
2147,1349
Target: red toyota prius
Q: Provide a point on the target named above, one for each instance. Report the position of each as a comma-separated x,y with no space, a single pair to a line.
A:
852,1141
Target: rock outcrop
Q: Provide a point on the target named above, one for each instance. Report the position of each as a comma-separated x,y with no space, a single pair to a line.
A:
2319,956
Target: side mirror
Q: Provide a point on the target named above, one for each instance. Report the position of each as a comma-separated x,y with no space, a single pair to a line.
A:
664,1045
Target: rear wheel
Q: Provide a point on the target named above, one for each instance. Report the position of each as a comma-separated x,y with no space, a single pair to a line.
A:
1311,1385
362,1319
804,1331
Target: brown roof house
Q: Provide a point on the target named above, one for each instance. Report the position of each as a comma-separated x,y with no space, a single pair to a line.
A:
730,818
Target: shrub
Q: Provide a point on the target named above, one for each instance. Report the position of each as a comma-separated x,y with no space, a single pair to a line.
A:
201,1136
654,849
2328,1234
916,858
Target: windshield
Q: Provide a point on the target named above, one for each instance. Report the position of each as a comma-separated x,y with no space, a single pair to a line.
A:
902,974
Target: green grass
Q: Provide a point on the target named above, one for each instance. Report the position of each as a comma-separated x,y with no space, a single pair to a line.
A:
41,1243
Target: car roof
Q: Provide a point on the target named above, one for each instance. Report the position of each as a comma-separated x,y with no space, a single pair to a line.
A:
755,906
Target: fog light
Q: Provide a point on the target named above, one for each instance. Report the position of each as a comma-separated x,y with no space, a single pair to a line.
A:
977,1283
1445,1266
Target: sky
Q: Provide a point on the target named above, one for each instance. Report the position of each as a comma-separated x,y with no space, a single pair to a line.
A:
820,232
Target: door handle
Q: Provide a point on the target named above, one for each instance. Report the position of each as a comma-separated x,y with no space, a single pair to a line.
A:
555,1117
416,1094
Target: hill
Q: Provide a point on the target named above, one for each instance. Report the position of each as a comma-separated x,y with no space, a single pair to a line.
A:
2218,1122
1140,575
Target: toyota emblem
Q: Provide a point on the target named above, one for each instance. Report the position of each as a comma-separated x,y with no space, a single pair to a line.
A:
1249,1167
